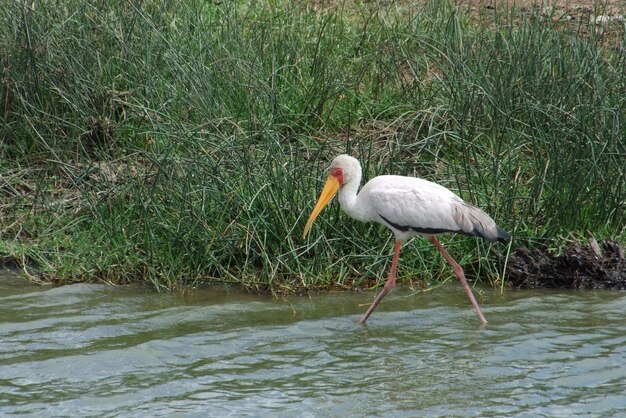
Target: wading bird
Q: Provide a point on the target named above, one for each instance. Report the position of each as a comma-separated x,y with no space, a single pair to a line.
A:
409,206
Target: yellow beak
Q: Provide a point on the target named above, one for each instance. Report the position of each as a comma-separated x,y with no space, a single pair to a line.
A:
329,190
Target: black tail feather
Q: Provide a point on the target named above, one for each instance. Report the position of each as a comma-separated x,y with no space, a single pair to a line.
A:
503,236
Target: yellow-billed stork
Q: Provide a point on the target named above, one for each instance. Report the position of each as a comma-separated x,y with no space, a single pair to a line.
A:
409,206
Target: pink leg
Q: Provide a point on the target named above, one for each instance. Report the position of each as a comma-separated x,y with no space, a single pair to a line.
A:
391,281
458,271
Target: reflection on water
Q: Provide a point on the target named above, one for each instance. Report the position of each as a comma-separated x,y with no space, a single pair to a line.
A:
93,350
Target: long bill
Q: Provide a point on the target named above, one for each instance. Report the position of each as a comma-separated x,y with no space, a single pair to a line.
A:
329,190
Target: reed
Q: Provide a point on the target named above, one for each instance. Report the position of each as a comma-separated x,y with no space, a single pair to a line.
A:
181,143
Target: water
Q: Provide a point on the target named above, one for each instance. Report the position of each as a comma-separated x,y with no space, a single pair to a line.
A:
93,350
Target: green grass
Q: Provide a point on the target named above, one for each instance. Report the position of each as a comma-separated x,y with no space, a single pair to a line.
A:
181,143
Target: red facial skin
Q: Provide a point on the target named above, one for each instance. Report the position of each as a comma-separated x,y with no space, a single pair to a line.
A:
337,173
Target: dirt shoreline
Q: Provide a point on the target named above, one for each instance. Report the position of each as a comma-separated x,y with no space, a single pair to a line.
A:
580,266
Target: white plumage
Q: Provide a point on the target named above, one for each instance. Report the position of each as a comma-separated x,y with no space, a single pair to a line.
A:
408,206
409,202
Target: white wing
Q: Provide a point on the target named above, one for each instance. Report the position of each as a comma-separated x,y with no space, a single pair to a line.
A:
409,203
411,206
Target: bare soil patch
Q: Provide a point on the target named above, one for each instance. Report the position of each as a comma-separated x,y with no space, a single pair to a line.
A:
580,266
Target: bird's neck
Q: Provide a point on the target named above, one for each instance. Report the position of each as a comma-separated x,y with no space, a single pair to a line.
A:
348,198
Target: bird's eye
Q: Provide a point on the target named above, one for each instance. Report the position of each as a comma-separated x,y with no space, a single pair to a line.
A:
337,173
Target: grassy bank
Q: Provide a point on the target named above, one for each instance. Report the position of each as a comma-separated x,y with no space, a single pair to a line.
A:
175,144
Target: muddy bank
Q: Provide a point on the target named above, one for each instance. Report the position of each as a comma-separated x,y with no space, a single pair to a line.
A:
581,266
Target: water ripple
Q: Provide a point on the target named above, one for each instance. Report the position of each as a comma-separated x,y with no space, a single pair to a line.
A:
92,350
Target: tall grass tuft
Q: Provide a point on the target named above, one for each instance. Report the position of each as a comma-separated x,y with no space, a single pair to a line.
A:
179,143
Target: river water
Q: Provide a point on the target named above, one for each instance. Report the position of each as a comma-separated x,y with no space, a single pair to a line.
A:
95,350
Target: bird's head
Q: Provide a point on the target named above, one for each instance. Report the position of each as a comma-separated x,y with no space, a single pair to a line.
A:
343,170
